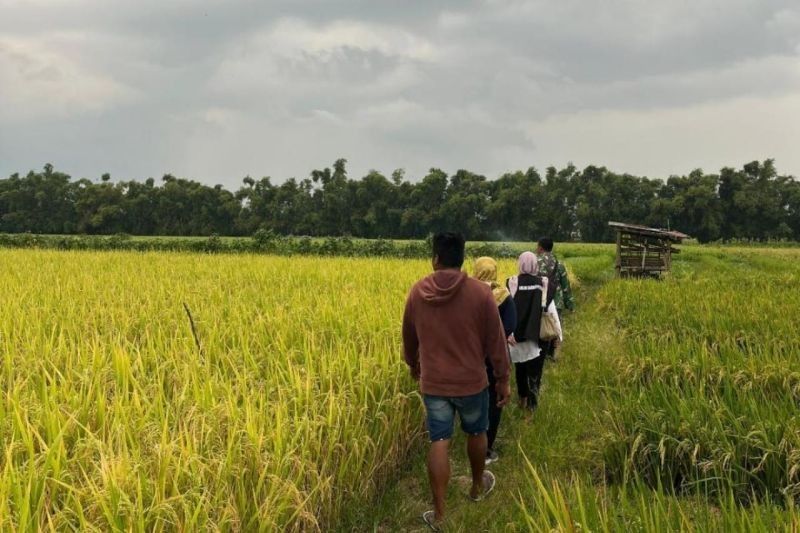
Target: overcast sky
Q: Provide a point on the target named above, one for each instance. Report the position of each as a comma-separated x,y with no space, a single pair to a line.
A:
216,90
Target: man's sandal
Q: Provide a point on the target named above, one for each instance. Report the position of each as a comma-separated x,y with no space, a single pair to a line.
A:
429,517
489,481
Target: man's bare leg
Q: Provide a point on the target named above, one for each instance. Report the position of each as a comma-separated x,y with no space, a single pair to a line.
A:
476,449
439,473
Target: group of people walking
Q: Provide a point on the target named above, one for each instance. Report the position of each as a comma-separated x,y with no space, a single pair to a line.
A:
460,336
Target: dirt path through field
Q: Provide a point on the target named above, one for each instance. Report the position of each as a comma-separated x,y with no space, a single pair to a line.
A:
555,437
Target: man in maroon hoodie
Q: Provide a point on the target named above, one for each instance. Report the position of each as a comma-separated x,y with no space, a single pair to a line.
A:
450,327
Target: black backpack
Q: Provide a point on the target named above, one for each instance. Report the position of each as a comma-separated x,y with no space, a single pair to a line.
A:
529,307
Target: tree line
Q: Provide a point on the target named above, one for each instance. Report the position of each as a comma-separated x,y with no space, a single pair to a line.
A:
750,203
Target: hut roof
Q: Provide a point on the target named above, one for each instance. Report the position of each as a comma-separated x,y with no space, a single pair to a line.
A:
674,236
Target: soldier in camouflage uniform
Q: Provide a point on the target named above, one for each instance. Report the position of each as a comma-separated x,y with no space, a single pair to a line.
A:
556,272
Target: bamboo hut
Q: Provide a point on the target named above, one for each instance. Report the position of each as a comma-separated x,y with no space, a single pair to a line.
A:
643,251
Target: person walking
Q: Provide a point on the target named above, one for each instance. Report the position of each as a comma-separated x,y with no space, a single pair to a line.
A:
450,327
559,288
485,270
529,291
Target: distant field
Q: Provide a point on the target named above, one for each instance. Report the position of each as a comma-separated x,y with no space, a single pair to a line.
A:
516,244
260,243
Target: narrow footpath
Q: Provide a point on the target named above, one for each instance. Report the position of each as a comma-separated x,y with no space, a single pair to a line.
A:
556,438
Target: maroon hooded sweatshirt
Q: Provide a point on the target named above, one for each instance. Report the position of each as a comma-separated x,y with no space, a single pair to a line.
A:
450,326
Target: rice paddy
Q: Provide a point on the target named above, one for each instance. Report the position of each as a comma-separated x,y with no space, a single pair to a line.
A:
287,406
112,417
696,427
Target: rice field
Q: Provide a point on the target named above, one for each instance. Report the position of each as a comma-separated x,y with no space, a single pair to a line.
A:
696,424
283,403
113,418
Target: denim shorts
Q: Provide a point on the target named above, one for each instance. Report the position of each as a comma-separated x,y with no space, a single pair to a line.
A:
473,411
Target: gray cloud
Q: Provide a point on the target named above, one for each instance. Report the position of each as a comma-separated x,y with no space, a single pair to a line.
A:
216,90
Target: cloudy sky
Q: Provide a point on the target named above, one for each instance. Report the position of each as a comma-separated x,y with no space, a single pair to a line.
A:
218,89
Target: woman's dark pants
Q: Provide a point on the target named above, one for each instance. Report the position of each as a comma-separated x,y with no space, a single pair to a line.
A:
529,379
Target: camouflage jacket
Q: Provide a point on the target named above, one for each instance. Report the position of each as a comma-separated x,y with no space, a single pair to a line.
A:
563,297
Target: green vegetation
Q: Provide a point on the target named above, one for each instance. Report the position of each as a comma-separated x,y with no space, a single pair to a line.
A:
706,398
672,406
292,409
751,203
262,242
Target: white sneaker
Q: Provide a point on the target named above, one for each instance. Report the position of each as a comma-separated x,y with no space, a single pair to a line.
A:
491,457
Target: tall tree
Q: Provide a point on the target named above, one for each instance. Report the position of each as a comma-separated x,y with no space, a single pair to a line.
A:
753,202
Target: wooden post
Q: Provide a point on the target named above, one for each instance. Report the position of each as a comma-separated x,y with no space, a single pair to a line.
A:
644,258
619,253
669,255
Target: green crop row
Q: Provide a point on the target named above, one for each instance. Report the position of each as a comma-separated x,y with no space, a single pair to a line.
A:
705,397
269,243
574,504
695,423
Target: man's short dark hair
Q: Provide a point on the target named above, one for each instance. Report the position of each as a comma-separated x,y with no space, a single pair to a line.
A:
546,244
449,248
